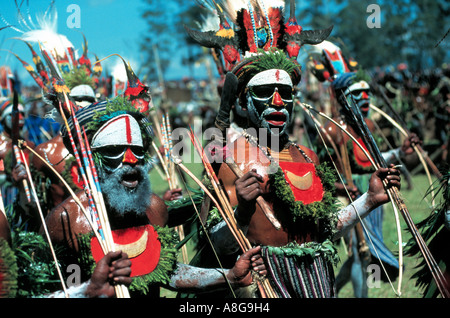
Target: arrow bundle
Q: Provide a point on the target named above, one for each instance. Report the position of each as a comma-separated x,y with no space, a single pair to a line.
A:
226,211
395,196
169,168
92,188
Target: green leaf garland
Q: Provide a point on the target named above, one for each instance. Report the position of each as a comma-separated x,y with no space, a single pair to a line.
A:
160,275
318,218
8,271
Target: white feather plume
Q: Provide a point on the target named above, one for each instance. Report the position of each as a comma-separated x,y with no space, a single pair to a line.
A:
232,7
46,34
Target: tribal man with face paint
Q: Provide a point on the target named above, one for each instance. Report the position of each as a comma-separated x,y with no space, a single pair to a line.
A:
353,87
350,86
291,180
270,102
120,137
283,196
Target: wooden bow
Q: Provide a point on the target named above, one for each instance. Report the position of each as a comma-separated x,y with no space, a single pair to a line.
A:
44,226
227,214
397,219
342,156
394,194
407,133
417,149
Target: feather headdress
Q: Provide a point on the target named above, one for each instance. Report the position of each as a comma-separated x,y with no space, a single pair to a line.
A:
58,68
258,25
326,61
58,48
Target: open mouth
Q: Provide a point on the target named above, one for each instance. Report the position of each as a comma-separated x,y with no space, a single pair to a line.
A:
131,179
364,107
276,118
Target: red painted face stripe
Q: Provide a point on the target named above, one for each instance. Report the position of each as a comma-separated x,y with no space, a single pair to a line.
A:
128,129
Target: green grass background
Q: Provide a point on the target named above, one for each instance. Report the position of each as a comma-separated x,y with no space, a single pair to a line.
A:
419,209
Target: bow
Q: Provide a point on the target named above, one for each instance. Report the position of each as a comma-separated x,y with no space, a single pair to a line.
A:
44,226
419,151
405,132
228,215
397,220
23,144
394,194
342,157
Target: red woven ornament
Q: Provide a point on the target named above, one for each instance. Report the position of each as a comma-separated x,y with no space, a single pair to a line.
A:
247,22
275,17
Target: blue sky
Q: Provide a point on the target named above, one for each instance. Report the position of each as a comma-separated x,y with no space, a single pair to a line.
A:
110,26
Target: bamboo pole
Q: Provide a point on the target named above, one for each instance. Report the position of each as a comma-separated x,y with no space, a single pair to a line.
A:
169,168
93,190
263,284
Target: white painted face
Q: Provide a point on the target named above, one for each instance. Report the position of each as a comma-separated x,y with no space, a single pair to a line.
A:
119,141
6,117
270,100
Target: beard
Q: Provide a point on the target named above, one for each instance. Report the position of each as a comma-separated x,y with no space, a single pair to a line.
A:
126,205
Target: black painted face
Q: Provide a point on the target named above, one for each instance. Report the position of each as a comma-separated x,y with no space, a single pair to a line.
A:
270,106
113,157
360,93
362,99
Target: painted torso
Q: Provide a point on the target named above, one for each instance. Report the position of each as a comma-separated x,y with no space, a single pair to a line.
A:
360,163
260,230
67,223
